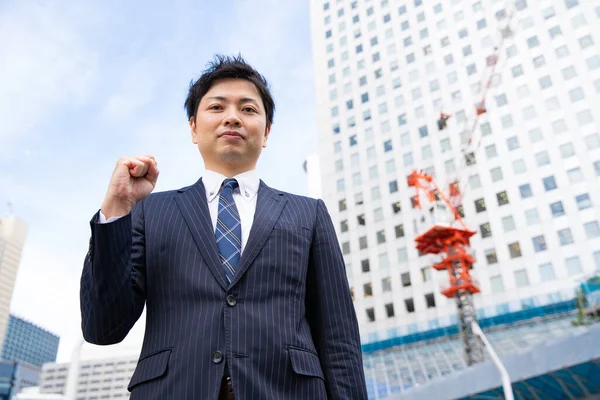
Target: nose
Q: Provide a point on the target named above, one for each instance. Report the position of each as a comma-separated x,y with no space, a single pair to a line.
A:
232,120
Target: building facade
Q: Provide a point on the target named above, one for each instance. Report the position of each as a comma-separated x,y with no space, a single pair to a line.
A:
528,165
27,342
12,239
15,376
98,379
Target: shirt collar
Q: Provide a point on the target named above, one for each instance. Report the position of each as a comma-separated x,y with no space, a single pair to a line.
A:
248,184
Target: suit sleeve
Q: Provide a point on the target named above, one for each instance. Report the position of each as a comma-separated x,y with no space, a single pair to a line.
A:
331,314
113,284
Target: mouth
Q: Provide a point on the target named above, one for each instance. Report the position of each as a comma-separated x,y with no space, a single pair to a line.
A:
231,135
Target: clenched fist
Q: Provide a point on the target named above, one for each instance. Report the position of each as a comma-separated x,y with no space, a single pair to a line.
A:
133,180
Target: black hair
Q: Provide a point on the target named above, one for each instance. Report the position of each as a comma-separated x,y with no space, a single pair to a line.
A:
227,67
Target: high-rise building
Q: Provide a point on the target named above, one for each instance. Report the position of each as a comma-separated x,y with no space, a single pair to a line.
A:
527,161
313,175
98,379
15,376
27,342
12,239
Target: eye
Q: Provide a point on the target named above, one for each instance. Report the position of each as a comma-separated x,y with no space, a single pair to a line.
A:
249,109
215,107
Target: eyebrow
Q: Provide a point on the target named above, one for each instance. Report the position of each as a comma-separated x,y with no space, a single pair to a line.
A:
242,100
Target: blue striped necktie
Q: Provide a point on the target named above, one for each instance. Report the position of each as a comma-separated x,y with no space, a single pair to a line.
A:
229,229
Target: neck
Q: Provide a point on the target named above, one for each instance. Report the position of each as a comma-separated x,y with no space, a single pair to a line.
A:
228,170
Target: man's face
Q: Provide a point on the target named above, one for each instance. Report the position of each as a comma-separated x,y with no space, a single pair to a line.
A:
230,127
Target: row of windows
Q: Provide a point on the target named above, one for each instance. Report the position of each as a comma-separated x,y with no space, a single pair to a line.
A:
521,279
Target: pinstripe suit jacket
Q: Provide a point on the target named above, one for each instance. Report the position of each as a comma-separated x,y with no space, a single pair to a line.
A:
285,326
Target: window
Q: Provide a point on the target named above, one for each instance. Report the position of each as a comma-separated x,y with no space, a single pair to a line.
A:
387,146
533,42
502,198
557,209
346,247
529,113
565,236
586,41
539,61
393,186
380,237
486,230
490,151
559,126
552,104
584,117
496,174
566,150
426,152
535,135
562,52
576,94
519,166
521,278
480,205
549,183
491,257
508,223
507,121
362,243
593,62
539,243
514,249
497,284
467,51
471,69
531,216
573,265
389,310
408,159
542,158
512,143
575,175
592,229
399,231
523,91
525,191
342,205
340,185
405,279
474,181
571,3
597,167
445,145
448,59
592,141
370,312
547,272
402,254
545,82
386,284
410,305
430,300
554,32
470,158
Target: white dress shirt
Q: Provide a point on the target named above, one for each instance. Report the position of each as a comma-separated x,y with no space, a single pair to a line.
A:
245,197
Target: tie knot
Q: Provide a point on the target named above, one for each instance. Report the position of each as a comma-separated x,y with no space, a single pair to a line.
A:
230,184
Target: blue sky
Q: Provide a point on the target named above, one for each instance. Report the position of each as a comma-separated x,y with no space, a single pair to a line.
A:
84,83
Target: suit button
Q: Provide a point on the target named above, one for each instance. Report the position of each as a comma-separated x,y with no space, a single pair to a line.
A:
231,300
217,357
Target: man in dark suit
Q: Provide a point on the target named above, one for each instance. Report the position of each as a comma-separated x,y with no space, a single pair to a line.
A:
245,285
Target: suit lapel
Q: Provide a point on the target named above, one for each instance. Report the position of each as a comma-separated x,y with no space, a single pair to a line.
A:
269,205
194,209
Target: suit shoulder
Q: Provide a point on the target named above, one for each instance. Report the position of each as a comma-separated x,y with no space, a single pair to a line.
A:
159,197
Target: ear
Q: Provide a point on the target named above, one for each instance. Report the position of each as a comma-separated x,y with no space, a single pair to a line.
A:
267,132
193,130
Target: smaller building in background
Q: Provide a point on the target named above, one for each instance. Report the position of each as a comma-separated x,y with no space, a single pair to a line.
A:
25,341
98,379
15,376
